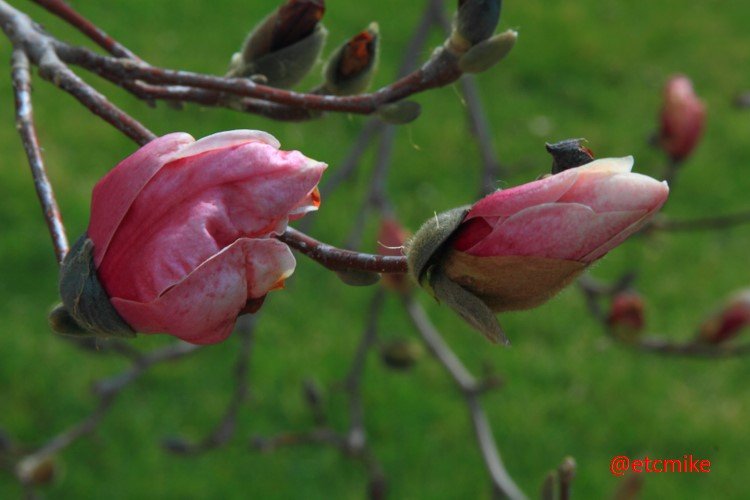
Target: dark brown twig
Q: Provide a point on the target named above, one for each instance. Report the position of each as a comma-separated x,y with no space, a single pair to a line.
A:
440,70
337,259
96,34
25,124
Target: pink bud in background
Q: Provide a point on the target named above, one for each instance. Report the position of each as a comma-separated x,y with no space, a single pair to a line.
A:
682,118
183,230
517,247
625,316
729,321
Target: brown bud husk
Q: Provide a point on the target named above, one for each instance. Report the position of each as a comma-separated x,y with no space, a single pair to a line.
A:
84,301
350,69
567,154
283,48
487,53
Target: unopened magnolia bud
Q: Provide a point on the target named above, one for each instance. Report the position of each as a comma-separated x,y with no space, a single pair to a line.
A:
729,322
354,277
476,20
487,53
285,46
516,248
401,354
399,113
84,299
350,69
569,153
626,319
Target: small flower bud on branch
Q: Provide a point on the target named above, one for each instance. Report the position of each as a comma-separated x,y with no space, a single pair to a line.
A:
285,46
350,69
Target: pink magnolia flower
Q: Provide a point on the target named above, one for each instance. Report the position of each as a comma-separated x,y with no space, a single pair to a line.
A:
517,247
183,229
682,118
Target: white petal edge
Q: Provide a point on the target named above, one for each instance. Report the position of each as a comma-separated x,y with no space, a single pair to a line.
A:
226,140
614,165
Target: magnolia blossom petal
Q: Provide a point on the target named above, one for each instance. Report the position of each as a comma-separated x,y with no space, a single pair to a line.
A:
115,192
605,193
554,230
195,206
203,307
509,201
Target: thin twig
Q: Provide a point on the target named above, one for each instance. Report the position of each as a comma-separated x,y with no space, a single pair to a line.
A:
352,443
467,385
337,259
479,125
225,428
96,34
25,124
440,70
107,391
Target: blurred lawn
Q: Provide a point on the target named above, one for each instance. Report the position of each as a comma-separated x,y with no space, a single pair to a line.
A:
585,68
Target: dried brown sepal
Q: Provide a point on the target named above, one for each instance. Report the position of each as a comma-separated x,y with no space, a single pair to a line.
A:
567,154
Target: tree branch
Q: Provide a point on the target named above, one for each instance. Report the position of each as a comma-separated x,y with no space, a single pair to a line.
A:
21,76
468,387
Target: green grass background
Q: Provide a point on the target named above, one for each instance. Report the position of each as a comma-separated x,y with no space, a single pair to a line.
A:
583,68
